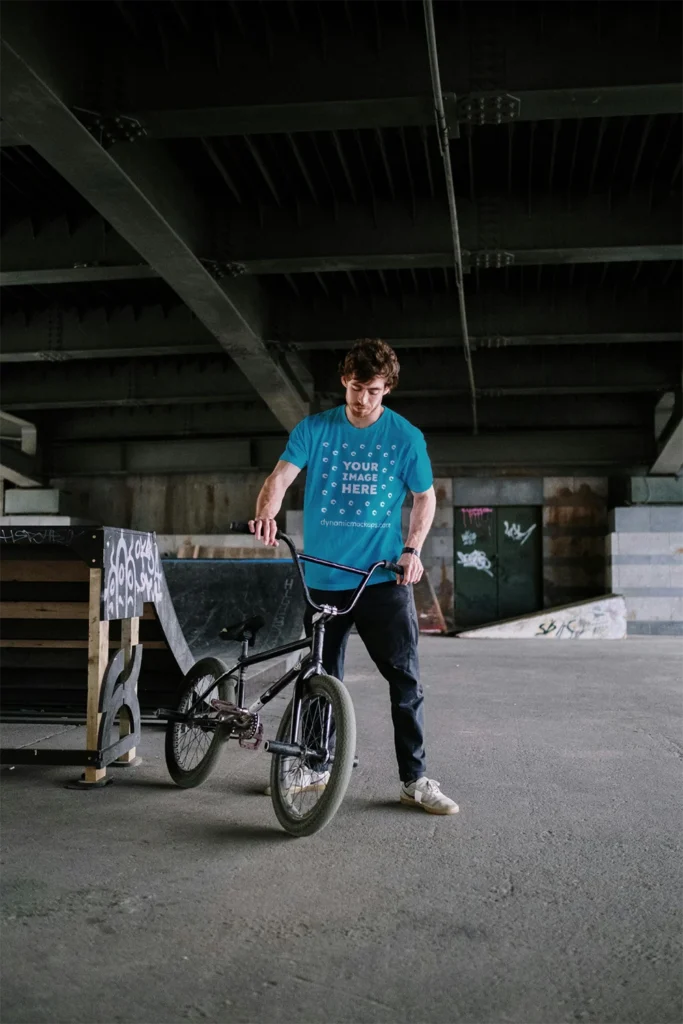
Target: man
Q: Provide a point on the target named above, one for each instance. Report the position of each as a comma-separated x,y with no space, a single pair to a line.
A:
361,459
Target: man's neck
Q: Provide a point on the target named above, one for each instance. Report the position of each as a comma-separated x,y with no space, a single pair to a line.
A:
363,421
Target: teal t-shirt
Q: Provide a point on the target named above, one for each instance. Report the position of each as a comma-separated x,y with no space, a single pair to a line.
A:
356,483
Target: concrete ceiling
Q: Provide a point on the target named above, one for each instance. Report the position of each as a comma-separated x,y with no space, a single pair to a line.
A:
203,204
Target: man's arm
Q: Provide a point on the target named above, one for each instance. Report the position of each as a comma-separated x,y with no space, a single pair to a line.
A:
269,502
421,519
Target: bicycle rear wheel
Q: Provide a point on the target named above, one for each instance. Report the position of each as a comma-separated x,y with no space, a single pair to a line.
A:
191,749
306,793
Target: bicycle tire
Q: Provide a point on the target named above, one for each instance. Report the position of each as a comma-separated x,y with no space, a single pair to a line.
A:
340,771
189,778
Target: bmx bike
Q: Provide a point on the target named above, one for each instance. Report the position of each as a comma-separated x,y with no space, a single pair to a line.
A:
314,749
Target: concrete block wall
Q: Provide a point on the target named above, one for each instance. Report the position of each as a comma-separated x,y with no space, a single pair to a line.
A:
645,564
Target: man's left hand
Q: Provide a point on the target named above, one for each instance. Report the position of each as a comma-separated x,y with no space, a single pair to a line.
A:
412,569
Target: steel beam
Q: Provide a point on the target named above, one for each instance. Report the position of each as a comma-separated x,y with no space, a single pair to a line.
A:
59,246
396,235
57,335
77,275
142,382
309,116
603,101
142,194
392,236
639,369
361,85
420,321
62,335
406,111
425,374
16,466
487,260
511,452
389,86
389,112
254,419
19,432
496,318
669,460
488,341
217,419
533,451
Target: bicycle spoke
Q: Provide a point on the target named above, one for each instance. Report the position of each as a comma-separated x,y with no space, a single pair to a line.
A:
191,742
297,775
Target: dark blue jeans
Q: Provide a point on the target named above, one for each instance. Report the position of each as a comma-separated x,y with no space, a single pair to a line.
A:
386,621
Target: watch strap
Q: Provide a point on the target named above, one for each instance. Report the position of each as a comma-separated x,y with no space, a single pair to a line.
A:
411,551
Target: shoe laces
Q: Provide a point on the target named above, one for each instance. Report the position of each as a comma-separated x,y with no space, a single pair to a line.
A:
432,787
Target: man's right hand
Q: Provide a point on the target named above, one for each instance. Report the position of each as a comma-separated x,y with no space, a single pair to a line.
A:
265,530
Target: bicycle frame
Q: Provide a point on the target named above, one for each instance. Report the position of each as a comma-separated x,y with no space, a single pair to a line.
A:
311,665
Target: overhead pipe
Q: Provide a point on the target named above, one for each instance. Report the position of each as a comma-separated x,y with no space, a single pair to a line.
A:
442,133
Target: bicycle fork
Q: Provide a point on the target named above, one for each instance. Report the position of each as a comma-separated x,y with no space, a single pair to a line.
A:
294,748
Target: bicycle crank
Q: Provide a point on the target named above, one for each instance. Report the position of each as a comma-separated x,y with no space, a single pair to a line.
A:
245,725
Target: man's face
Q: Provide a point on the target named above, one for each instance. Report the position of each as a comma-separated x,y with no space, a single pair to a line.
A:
364,398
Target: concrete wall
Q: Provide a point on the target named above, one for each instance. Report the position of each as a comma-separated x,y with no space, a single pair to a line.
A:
645,565
643,558
574,529
200,503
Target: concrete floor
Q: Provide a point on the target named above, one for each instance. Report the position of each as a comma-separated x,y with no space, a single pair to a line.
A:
554,895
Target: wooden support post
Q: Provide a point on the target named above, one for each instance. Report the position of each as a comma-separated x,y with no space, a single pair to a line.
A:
130,637
98,654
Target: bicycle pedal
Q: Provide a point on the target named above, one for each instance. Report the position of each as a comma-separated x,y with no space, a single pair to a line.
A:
253,742
223,706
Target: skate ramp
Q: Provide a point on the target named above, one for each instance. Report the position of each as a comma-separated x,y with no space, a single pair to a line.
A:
602,618
208,594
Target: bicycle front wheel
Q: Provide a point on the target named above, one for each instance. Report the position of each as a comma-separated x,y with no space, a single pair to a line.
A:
191,749
307,793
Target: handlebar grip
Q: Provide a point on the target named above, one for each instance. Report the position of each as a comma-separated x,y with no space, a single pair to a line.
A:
239,528
393,567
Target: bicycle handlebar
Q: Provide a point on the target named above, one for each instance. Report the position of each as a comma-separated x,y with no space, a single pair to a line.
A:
243,528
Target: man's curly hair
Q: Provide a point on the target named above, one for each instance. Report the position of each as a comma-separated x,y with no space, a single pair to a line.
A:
369,358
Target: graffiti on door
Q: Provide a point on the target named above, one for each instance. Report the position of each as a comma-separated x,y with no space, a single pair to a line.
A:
475,516
469,538
475,560
514,531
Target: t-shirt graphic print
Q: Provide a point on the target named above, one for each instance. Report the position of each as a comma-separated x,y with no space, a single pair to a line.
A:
356,483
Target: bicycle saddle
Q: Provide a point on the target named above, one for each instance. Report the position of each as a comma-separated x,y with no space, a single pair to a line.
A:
244,630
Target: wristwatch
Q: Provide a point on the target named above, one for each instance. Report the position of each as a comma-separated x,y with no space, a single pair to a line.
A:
411,551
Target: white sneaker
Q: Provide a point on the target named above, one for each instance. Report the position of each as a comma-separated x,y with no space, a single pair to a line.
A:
425,793
307,782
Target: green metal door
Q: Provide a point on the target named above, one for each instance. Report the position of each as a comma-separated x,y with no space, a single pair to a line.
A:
497,563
